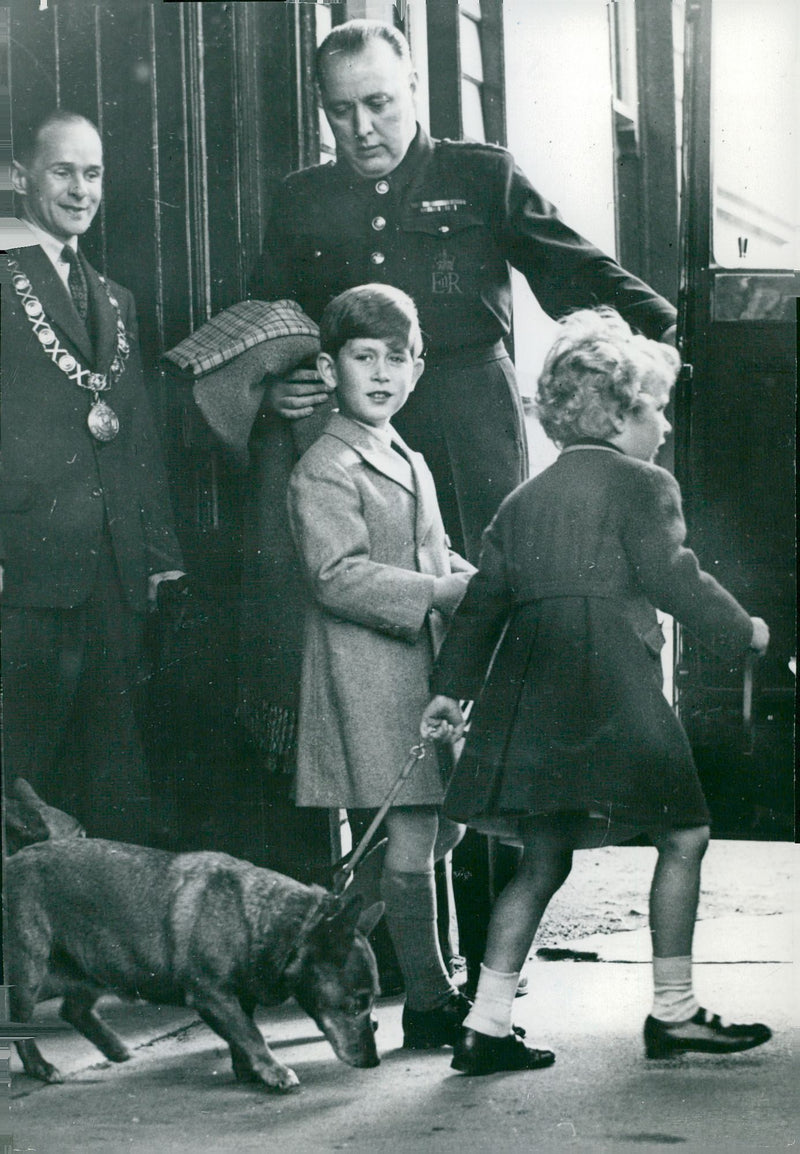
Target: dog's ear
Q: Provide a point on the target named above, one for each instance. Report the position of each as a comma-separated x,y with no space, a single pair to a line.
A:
343,914
25,792
336,929
23,825
28,819
369,918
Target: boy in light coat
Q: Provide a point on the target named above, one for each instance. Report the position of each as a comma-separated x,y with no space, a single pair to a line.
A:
365,518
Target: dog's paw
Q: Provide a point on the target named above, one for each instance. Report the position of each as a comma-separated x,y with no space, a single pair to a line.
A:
281,1078
45,1072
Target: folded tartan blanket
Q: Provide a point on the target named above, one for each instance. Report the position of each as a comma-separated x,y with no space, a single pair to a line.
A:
231,356
241,327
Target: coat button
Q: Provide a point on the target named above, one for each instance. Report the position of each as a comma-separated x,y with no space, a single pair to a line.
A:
382,187
97,492
378,223
444,228
377,257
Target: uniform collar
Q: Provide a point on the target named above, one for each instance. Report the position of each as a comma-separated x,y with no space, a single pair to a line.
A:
399,178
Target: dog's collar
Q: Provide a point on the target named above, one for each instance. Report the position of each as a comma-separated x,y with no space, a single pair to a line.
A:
320,909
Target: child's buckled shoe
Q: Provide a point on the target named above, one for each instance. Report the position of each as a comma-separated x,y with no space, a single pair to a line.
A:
662,1039
476,1053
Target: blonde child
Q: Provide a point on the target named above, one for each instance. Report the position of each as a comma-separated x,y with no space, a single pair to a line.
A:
572,742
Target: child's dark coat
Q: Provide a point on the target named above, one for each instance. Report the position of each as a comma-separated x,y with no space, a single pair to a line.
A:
572,716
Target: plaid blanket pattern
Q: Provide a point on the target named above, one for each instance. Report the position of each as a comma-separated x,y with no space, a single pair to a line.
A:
236,329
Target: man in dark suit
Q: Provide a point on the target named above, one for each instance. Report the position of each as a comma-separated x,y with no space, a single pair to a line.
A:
87,531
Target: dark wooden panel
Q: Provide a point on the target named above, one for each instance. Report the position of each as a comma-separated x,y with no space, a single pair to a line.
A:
33,68
445,73
126,122
175,297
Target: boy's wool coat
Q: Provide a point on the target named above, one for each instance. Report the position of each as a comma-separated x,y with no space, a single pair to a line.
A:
368,528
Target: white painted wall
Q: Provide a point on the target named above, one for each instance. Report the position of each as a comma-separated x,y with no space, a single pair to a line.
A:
558,93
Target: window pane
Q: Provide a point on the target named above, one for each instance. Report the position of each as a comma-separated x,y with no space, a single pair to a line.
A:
472,111
755,101
473,7
322,14
471,56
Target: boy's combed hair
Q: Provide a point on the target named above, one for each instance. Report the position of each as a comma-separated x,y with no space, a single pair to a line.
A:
595,372
375,311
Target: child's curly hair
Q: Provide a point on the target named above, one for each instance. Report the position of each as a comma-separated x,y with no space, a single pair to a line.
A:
595,372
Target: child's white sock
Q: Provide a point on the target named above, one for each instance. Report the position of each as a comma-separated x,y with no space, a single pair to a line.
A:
673,996
491,1010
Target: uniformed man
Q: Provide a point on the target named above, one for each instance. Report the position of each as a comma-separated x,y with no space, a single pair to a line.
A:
443,220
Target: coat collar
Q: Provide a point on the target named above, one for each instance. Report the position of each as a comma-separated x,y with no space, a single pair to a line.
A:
373,450
412,475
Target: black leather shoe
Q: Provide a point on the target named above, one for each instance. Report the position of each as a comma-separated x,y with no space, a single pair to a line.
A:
662,1041
429,1029
475,1053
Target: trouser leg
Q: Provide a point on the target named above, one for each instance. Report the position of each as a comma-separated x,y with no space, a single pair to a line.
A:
43,652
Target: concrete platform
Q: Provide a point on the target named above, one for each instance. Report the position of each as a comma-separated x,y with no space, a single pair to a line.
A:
178,1094
728,940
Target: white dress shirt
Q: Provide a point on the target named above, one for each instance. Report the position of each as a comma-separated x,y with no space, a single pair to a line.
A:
53,248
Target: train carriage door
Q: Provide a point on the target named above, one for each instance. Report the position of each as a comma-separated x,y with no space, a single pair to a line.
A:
735,404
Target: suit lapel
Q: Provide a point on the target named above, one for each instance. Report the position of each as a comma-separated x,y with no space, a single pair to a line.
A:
56,301
105,318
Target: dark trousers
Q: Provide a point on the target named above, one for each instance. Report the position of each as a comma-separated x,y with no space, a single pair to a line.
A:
466,417
69,725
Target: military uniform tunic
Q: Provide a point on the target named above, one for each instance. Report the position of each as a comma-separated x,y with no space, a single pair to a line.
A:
445,226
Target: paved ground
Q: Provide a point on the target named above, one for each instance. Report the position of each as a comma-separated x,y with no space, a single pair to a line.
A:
178,1094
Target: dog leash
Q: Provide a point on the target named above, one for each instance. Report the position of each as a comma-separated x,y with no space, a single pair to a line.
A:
344,876
747,703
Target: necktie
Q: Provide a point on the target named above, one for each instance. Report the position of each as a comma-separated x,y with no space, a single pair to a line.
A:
77,282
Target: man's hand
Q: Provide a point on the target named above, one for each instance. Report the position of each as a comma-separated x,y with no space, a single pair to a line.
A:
155,579
298,394
442,719
760,636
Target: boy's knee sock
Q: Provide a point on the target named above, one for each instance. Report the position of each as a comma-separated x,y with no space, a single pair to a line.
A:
673,996
491,1010
410,900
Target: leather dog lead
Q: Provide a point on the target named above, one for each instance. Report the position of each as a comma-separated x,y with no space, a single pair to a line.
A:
343,877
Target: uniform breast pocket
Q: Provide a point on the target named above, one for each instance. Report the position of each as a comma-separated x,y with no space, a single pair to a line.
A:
450,249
